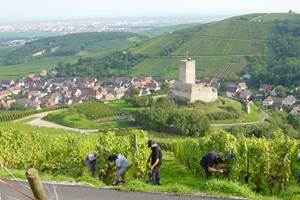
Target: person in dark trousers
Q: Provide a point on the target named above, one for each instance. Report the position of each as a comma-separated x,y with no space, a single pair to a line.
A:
90,161
122,165
208,163
156,161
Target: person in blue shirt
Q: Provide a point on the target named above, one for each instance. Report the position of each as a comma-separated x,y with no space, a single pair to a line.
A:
122,165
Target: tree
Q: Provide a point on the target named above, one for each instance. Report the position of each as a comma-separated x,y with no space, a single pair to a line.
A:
17,106
281,91
165,88
134,92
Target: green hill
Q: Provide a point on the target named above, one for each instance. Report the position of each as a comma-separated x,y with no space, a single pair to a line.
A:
222,49
69,45
46,53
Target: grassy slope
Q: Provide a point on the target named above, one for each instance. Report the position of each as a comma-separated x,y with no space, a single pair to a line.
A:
220,47
93,48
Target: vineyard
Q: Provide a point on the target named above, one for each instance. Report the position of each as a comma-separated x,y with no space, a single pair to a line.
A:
132,145
95,110
215,66
13,115
60,152
265,165
90,115
49,150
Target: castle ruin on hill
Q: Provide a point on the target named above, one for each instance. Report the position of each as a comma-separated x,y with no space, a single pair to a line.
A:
186,89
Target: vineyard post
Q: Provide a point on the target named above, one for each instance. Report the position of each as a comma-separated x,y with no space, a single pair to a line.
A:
36,184
136,150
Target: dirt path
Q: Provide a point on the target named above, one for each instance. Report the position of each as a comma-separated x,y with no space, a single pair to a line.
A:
238,124
37,120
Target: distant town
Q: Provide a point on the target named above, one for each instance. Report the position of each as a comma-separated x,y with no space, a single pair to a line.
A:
44,90
64,27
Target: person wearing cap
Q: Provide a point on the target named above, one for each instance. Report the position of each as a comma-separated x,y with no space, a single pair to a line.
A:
90,162
122,165
156,161
208,163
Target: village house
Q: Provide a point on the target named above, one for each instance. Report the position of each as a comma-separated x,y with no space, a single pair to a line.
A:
267,89
86,82
76,100
109,97
36,105
15,90
242,87
122,81
142,81
37,94
76,92
231,87
244,95
6,104
295,110
212,82
7,83
144,91
120,92
289,101
4,94
268,101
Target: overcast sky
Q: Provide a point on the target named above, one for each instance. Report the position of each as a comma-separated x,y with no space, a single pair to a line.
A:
56,9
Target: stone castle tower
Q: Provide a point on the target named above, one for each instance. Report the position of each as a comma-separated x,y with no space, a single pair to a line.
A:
186,89
187,71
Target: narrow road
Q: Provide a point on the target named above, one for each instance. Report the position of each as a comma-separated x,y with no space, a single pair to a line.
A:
238,124
38,121
64,192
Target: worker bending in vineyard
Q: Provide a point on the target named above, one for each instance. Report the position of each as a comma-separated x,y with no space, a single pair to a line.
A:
122,165
90,161
208,163
156,161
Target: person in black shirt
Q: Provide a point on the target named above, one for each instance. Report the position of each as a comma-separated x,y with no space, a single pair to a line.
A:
156,160
209,161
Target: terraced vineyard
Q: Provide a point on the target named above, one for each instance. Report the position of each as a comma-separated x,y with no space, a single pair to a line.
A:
217,66
220,48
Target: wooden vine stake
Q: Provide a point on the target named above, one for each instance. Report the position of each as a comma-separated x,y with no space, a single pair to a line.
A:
36,184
